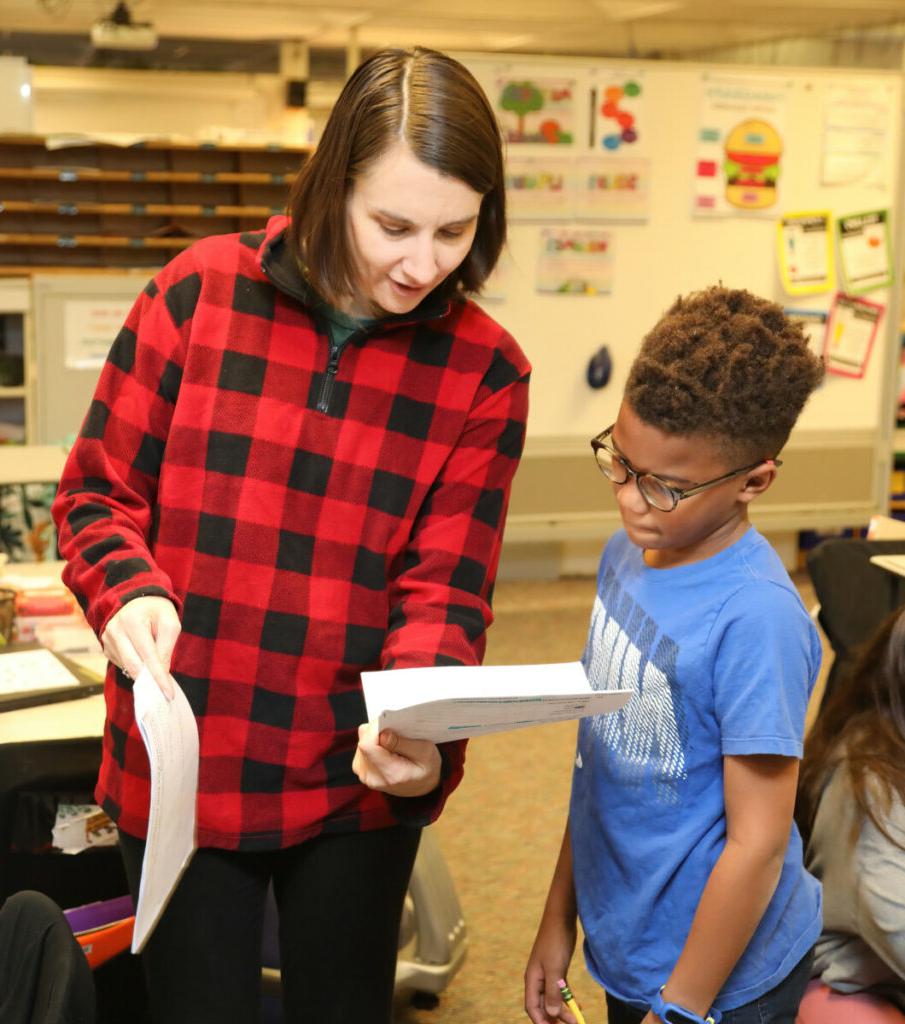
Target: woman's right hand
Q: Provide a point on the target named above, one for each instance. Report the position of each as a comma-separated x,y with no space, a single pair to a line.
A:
143,633
548,962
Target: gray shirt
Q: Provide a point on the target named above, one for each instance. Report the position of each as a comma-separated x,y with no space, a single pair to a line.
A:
863,941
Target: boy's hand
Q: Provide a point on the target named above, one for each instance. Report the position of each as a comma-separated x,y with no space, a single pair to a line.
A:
395,765
547,963
143,633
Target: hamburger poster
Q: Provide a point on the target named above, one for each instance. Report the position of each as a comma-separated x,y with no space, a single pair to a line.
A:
740,148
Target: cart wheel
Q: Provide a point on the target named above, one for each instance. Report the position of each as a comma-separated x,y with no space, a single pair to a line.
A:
425,1000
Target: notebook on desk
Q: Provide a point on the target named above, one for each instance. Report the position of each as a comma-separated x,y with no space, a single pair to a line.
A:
32,675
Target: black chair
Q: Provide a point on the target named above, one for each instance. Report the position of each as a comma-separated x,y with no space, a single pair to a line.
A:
855,596
44,976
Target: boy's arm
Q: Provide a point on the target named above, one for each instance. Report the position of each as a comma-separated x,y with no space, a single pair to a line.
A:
554,945
759,793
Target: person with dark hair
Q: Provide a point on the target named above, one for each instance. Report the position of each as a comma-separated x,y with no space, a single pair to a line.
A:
851,811
296,467
680,855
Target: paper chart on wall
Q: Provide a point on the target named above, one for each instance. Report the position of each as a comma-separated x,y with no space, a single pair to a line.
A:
805,251
605,188
850,335
858,127
813,321
738,166
539,189
575,262
865,255
534,110
617,111
89,326
615,188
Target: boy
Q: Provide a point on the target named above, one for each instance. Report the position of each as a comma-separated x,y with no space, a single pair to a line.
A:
680,854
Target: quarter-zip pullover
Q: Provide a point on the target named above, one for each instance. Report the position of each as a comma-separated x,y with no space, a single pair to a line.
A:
311,512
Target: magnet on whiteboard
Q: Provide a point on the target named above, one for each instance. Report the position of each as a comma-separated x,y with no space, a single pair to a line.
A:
600,367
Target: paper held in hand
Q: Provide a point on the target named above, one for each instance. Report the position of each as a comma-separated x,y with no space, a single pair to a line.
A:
170,734
455,702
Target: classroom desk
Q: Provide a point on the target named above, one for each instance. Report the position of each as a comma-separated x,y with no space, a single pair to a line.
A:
54,748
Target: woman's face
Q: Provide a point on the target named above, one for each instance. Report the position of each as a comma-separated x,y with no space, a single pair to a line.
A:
409,228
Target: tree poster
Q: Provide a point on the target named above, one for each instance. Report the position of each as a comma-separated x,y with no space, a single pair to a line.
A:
536,111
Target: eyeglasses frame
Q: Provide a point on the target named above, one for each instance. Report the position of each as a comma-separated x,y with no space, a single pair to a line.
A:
678,493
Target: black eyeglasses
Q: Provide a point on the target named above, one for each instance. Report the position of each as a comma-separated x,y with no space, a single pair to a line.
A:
656,491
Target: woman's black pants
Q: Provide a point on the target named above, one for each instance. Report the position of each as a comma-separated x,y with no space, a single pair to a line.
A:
340,901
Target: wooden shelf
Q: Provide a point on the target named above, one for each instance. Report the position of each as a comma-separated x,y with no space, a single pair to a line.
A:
135,209
95,241
71,174
89,205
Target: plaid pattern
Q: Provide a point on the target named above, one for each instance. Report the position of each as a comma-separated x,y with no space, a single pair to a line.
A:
309,520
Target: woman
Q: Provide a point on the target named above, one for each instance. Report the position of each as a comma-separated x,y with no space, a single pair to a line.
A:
851,806
296,467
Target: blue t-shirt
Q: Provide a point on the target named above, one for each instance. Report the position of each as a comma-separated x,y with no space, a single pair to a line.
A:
721,656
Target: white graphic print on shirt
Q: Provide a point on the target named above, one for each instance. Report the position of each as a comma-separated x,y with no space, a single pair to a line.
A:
646,739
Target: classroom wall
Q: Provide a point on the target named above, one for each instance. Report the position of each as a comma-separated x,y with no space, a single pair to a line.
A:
837,464
673,252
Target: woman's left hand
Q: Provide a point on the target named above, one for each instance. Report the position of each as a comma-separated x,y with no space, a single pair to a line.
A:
395,765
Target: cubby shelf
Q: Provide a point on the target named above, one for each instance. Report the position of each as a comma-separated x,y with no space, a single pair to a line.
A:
91,205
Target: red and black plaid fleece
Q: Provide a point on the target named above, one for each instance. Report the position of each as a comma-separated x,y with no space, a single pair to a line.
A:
310,518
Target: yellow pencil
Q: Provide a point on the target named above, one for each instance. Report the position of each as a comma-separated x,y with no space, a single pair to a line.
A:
569,1000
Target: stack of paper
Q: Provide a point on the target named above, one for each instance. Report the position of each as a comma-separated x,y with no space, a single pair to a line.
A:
170,734
455,702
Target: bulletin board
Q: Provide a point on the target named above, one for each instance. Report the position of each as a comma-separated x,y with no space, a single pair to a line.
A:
695,214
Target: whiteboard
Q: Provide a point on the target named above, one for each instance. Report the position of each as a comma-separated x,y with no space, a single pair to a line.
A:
674,252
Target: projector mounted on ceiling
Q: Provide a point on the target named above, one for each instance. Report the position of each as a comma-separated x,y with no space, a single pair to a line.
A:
119,32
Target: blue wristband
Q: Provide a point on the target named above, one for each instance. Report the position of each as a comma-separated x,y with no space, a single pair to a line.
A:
672,1013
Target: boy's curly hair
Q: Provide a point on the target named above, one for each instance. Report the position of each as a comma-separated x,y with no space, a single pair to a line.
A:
726,365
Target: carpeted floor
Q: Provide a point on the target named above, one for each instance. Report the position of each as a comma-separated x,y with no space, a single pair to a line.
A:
501,830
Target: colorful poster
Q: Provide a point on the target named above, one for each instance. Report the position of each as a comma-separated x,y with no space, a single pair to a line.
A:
575,262
814,323
864,251
858,130
617,104
612,188
536,110
805,251
738,169
850,335
539,189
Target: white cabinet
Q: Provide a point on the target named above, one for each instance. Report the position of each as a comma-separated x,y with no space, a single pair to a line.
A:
17,367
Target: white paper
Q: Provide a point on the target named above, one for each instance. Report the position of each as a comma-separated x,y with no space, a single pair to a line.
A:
24,671
892,563
89,328
457,702
858,128
170,735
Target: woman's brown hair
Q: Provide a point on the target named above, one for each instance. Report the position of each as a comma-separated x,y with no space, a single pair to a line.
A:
861,730
432,103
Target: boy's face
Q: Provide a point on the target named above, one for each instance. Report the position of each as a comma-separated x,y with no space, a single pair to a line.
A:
700,525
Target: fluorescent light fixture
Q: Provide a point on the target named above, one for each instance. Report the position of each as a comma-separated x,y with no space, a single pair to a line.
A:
635,10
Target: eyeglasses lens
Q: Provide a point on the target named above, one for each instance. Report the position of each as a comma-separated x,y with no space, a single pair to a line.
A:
611,465
657,493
